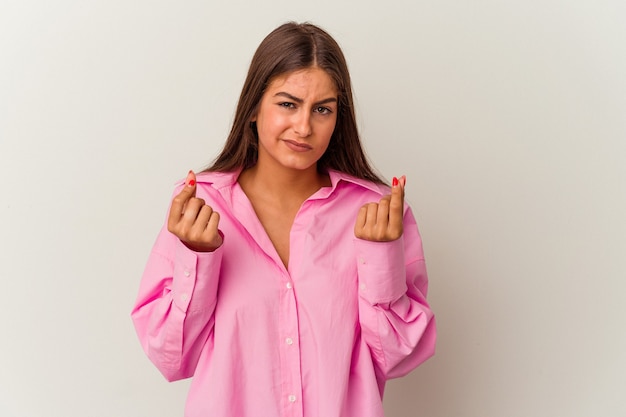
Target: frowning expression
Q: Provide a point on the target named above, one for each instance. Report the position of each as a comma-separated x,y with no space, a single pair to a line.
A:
296,119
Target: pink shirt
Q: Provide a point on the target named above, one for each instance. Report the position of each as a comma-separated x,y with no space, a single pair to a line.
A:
316,339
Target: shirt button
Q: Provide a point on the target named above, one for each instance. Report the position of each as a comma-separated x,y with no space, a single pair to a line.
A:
361,260
363,287
187,273
289,341
288,285
292,398
184,297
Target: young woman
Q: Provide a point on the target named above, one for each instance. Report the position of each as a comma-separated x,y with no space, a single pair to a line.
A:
289,280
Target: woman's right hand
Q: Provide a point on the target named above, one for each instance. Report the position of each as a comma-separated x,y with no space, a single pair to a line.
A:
192,221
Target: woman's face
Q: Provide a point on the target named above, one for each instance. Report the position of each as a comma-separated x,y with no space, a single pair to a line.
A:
296,119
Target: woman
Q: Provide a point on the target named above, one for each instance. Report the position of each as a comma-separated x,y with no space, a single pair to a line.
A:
289,280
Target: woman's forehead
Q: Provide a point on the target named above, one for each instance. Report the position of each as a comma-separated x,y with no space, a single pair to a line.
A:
307,80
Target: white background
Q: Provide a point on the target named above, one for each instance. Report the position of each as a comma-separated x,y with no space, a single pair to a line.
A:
508,118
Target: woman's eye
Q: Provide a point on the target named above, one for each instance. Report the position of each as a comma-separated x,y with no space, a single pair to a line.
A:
323,110
287,105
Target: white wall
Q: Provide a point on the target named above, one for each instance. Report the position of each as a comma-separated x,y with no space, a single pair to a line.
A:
509,119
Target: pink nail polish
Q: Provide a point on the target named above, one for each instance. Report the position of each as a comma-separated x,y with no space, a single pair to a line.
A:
394,182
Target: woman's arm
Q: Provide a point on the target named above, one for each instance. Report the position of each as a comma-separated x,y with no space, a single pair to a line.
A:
396,321
173,314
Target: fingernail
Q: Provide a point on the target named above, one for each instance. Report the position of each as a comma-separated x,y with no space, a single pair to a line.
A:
394,182
403,178
191,178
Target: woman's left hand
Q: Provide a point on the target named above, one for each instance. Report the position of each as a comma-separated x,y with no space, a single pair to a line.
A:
383,221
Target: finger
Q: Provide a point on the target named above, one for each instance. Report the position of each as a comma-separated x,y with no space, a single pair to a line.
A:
359,225
204,234
396,207
189,190
202,220
179,203
397,191
192,210
382,212
212,229
191,179
366,221
194,228
360,219
372,214
190,182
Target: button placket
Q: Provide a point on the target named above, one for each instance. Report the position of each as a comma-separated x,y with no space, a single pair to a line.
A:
290,355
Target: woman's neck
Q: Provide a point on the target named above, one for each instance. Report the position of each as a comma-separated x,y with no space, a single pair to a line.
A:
287,186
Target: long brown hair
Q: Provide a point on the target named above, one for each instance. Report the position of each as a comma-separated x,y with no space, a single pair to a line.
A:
288,48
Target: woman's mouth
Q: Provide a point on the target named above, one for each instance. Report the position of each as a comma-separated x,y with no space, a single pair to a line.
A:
297,146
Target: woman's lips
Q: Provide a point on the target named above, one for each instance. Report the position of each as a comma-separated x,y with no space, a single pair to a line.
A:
297,146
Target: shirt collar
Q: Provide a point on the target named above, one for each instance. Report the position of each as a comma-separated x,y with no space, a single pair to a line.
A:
221,180
336,177
218,179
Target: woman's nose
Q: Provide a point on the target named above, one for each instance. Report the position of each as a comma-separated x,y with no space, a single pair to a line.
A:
302,124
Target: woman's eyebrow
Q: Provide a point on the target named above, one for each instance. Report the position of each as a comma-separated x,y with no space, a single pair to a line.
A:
300,101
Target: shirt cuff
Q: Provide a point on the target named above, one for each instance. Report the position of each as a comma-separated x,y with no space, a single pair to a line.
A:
381,270
196,275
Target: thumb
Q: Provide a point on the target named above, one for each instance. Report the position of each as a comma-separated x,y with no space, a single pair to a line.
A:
190,181
179,203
